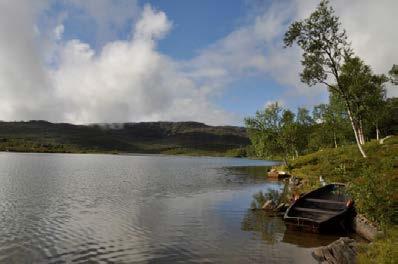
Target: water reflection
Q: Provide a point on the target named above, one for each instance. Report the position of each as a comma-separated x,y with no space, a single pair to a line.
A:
268,225
57,208
307,240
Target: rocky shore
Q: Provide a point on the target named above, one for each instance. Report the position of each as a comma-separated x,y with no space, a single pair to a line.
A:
341,251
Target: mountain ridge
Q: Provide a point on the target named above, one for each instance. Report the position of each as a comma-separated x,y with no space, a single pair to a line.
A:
186,137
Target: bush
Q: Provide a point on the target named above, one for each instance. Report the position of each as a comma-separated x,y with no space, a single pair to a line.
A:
274,195
373,193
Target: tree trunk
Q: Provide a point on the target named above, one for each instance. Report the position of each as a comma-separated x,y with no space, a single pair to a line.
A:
377,133
335,140
361,134
354,127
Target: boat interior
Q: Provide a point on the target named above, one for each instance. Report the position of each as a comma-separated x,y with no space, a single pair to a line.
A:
319,206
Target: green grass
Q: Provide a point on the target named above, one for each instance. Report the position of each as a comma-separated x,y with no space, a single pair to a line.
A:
344,164
372,182
383,250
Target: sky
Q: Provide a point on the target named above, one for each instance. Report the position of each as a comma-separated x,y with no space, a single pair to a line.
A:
217,62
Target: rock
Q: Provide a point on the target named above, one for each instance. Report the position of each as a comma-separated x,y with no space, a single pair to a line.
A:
341,251
269,205
365,228
273,173
282,207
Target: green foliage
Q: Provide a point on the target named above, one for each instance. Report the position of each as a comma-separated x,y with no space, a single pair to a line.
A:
258,200
394,74
276,132
328,59
383,250
374,195
274,195
365,90
264,129
389,125
372,182
333,127
323,43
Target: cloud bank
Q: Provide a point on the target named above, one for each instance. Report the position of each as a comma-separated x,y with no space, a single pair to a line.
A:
44,76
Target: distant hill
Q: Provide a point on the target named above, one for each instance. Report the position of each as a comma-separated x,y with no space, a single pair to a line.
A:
146,137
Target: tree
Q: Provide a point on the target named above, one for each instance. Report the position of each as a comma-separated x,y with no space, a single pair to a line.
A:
389,126
325,47
273,132
333,123
366,92
304,124
264,129
394,74
288,136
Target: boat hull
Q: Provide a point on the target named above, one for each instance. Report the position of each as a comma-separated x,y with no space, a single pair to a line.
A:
312,214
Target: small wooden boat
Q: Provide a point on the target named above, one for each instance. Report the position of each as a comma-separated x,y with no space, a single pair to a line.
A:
327,209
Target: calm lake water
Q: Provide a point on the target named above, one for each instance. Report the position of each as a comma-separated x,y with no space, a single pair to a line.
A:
57,208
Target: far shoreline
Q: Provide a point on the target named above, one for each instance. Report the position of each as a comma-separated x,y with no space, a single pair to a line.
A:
190,155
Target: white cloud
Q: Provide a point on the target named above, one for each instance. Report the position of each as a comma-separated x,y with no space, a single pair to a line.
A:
124,81
58,31
109,16
129,80
25,89
257,48
43,76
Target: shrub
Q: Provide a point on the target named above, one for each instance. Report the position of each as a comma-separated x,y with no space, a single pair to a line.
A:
373,193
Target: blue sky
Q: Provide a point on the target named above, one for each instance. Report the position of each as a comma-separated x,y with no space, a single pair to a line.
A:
129,61
196,26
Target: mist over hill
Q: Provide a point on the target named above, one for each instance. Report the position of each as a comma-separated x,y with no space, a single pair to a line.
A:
144,137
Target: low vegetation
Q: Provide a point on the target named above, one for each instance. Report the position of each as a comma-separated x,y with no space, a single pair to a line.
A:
372,181
383,250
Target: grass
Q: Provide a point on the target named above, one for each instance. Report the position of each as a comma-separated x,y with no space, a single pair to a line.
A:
382,250
372,182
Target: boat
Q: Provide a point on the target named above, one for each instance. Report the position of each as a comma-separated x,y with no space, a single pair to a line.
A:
325,210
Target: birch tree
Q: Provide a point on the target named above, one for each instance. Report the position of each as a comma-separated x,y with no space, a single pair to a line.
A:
325,47
366,92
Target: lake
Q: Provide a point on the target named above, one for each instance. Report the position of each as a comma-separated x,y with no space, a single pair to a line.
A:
62,208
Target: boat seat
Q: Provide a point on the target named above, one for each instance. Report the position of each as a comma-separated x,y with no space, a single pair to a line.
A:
324,201
302,209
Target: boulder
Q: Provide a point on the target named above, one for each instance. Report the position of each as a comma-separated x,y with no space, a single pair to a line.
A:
365,228
282,207
341,251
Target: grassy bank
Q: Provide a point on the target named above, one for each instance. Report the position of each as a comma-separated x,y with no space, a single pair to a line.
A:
372,182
